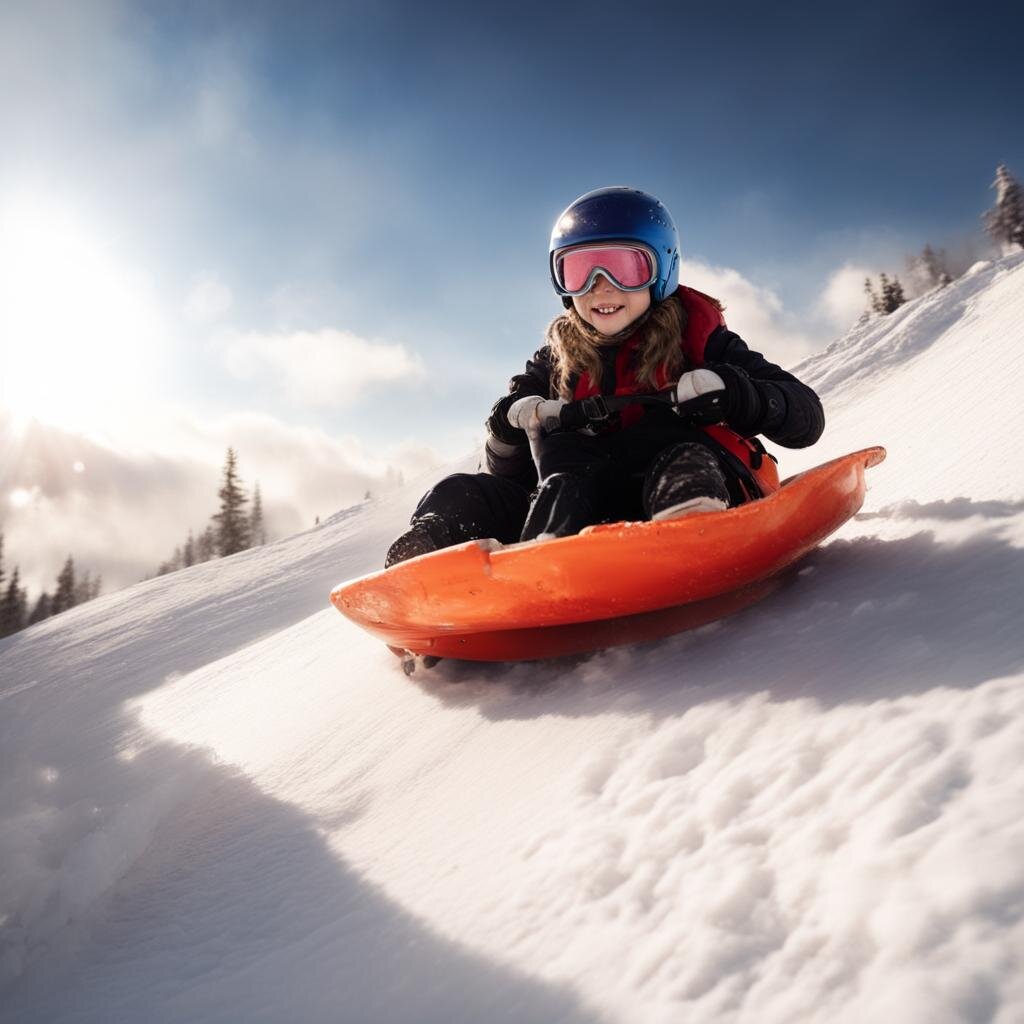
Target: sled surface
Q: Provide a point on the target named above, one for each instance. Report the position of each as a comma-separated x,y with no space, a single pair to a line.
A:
612,584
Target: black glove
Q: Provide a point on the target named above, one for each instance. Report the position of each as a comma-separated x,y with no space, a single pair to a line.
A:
720,393
743,404
498,425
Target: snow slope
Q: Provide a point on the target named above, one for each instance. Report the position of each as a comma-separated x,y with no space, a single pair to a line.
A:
219,801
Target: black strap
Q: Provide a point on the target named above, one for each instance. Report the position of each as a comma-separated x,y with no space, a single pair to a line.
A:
597,410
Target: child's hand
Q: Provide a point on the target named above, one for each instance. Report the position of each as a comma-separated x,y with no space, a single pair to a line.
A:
696,383
701,396
535,415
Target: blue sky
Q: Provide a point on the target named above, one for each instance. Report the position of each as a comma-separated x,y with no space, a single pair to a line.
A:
306,196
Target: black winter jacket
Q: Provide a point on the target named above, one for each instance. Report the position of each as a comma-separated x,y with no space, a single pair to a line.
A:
762,399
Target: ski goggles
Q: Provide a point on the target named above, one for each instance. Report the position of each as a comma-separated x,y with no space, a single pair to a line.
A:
631,268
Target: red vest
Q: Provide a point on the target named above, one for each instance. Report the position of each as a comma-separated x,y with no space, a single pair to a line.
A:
703,317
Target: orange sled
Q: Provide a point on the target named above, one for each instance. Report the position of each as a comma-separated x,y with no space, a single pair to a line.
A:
611,584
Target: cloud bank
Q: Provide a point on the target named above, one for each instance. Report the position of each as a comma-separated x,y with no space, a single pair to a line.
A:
843,299
319,369
754,312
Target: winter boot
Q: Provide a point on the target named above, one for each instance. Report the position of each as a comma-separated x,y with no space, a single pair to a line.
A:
561,507
427,533
683,479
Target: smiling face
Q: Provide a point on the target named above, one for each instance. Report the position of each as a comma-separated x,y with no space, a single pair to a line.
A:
609,309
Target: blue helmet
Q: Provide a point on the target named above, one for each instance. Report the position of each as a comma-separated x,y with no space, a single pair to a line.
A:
620,214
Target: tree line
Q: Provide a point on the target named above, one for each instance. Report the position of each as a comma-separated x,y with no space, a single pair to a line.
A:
933,268
238,525
69,590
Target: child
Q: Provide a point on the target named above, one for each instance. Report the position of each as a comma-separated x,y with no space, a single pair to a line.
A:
676,398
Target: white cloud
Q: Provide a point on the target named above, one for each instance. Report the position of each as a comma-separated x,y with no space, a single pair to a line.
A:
754,312
319,368
208,299
843,300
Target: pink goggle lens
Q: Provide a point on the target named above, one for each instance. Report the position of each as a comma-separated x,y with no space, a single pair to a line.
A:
628,267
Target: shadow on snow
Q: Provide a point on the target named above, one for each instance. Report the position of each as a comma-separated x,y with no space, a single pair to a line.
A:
239,911
857,621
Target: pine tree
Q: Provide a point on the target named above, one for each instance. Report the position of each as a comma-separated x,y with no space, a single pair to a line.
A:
21,607
64,597
874,302
889,298
892,295
87,588
187,554
883,299
930,269
12,606
1005,221
232,522
206,545
257,534
43,609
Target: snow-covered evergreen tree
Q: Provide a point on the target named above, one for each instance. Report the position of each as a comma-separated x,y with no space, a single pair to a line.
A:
1005,221
232,521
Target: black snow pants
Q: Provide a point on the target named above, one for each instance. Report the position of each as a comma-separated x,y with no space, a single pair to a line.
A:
630,474
475,506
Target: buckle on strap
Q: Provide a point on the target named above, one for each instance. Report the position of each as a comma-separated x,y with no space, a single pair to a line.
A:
595,408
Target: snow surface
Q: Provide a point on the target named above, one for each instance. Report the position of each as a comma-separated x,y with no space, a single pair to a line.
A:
219,801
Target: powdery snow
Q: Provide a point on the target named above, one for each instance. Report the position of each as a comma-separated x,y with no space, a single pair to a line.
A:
219,801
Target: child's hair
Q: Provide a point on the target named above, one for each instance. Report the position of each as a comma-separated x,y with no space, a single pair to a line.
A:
574,346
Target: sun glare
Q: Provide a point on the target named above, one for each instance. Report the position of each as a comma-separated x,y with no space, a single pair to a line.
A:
78,331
